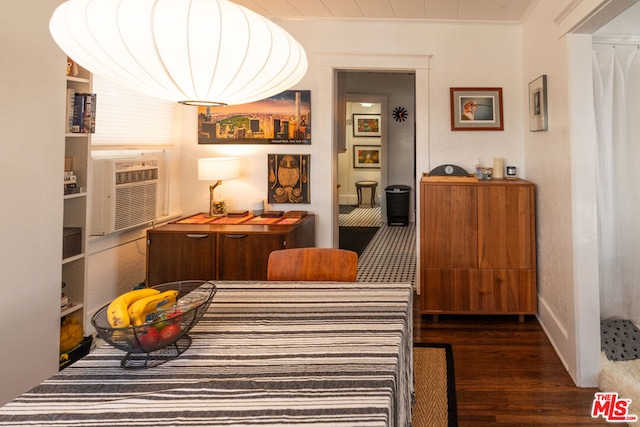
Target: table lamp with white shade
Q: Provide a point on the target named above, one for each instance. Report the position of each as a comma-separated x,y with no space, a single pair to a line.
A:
217,169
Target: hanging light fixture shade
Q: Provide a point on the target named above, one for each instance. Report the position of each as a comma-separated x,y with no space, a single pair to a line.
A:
202,52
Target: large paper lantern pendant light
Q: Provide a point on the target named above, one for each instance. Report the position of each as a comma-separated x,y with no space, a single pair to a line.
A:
202,52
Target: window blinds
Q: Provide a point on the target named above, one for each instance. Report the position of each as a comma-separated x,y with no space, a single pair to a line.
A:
127,118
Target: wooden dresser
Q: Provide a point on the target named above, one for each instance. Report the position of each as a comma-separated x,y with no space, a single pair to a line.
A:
477,247
220,251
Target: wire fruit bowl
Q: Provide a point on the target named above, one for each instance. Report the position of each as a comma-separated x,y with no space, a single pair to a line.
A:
164,338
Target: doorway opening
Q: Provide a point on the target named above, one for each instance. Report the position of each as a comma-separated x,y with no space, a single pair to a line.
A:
383,154
378,151
360,165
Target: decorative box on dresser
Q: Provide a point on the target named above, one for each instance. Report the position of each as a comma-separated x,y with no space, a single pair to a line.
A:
220,251
477,246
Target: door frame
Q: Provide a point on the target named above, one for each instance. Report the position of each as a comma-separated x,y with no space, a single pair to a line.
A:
327,66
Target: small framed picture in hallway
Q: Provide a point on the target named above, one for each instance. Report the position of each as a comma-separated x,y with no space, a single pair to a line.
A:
366,156
366,125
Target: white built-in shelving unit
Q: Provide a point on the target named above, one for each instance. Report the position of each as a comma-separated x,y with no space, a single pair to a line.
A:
76,209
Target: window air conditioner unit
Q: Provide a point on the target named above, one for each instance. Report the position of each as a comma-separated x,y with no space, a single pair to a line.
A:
125,194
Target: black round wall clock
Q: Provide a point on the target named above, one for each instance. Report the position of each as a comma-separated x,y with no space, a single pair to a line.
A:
400,114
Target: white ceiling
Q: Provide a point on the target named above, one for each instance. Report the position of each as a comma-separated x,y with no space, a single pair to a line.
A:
466,10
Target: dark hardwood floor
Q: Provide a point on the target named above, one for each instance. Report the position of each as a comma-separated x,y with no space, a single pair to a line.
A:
507,373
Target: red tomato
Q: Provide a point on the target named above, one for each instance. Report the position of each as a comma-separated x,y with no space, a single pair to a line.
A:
170,333
150,339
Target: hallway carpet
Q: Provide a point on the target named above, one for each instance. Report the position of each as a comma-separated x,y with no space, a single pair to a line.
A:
346,209
356,238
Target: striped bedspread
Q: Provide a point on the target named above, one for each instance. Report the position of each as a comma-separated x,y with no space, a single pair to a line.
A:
265,354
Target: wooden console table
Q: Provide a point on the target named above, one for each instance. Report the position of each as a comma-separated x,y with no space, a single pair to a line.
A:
222,251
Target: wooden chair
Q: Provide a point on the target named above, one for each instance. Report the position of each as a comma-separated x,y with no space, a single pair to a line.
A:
313,265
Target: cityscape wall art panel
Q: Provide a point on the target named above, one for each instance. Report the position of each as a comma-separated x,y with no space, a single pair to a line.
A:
281,119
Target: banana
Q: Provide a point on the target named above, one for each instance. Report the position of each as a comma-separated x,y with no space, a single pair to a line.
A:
117,313
139,310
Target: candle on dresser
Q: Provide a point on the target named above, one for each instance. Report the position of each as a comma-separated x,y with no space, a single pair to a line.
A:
498,168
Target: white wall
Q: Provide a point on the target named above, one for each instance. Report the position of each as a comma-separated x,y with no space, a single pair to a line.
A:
548,163
493,59
32,89
561,163
116,265
584,212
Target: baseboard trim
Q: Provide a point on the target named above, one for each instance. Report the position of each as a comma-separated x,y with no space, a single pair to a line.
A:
555,331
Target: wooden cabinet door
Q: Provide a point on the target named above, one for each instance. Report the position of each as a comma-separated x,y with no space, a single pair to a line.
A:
180,256
506,227
448,290
507,291
244,256
448,229
479,291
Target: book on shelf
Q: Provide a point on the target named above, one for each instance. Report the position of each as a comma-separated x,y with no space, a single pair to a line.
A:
71,94
90,113
64,301
70,179
84,113
71,188
67,306
78,113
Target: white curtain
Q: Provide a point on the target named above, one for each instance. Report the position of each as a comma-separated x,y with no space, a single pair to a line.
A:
616,71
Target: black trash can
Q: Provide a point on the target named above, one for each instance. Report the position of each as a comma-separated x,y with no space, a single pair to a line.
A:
398,204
